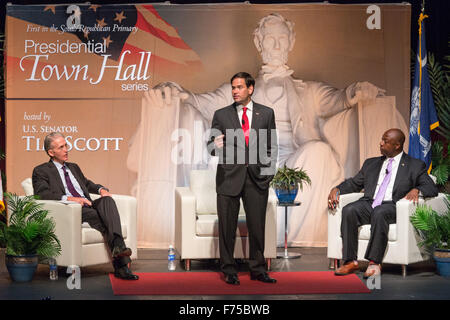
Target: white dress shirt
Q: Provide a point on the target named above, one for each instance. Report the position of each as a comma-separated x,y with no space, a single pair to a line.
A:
75,183
390,187
240,111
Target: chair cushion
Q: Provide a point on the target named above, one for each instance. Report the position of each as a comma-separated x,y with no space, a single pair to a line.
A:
208,226
90,235
364,232
203,185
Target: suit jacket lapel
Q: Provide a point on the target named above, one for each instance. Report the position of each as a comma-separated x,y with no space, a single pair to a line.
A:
234,118
235,124
55,174
401,172
374,178
79,180
256,117
256,123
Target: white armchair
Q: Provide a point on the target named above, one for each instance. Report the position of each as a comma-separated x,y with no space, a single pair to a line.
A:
196,222
82,245
402,245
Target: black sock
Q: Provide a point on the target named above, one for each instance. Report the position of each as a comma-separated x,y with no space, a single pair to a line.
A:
118,242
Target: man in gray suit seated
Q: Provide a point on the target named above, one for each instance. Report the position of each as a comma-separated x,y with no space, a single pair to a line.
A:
62,180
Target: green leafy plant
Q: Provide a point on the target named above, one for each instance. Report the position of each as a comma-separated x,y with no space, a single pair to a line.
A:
288,178
441,162
440,85
29,230
439,76
433,228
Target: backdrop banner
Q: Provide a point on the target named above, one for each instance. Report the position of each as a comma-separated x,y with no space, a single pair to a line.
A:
96,73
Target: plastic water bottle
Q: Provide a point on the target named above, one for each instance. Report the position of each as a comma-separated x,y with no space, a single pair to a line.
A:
53,269
171,259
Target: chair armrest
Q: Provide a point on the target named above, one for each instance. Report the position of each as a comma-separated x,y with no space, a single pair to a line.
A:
127,208
345,199
94,196
334,249
271,225
67,218
273,199
126,205
185,216
437,203
406,208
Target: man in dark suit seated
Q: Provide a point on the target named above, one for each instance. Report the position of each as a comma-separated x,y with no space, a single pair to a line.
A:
62,180
385,180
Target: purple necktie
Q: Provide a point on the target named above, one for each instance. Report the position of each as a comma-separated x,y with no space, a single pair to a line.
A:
70,185
381,192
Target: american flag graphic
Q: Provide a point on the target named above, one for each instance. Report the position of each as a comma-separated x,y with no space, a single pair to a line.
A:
136,28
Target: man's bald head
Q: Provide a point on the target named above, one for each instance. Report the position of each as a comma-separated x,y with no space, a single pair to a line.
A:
398,135
392,142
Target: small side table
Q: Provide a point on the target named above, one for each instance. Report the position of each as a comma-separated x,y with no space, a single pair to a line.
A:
285,254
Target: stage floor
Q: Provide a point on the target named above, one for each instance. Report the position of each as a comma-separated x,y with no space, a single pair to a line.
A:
421,281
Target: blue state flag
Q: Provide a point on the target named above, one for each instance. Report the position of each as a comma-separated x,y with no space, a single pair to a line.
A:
423,114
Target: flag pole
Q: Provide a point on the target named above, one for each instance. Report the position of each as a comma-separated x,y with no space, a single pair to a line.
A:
422,106
421,18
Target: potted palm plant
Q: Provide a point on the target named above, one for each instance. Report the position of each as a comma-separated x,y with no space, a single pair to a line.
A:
287,181
434,230
29,237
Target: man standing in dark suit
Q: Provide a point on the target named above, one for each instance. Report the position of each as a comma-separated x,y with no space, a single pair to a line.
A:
385,181
243,135
62,180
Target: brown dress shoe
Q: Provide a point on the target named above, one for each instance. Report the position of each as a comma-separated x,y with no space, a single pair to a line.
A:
347,268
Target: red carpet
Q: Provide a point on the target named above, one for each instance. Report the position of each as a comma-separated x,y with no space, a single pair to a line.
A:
211,283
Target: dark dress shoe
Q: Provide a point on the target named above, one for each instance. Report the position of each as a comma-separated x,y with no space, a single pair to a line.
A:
263,277
125,274
119,252
232,279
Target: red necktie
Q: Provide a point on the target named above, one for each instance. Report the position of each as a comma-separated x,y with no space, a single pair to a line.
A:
245,126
